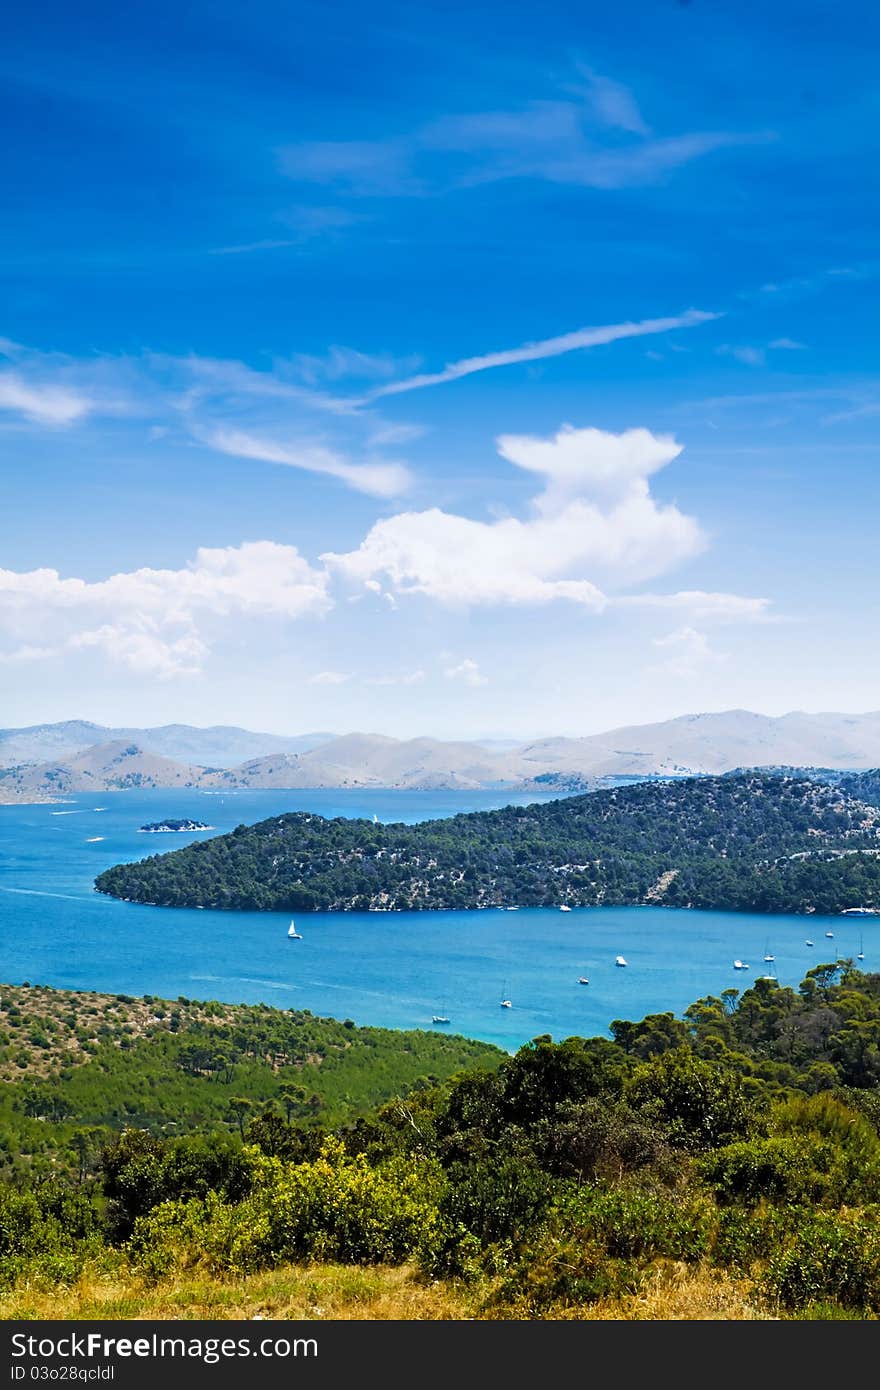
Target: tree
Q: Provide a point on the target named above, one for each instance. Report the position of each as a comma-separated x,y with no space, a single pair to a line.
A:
293,1098
241,1108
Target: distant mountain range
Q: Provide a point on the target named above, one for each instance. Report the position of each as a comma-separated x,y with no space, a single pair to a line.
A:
220,746
51,760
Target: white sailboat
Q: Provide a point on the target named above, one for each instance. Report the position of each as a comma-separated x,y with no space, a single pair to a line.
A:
505,1002
619,960
861,955
292,932
740,965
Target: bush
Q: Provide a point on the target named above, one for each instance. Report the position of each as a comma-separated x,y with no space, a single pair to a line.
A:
336,1208
642,1225
832,1258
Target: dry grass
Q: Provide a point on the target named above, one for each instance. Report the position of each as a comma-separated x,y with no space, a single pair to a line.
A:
679,1293
340,1292
378,1293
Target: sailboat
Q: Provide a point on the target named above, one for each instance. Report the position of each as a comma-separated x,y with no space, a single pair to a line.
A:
619,960
292,931
505,1002
768,956
740,965
861,955
582,980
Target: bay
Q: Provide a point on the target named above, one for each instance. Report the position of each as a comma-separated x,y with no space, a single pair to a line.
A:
394,969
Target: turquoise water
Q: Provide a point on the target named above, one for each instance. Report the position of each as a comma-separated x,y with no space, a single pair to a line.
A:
392,969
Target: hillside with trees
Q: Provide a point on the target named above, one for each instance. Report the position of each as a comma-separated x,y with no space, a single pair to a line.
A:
752,842
724,1164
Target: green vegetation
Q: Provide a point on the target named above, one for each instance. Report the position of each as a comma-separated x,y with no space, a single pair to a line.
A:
71,1062
722,1164
758,843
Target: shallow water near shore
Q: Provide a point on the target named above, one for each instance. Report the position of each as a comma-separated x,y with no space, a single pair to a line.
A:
394,969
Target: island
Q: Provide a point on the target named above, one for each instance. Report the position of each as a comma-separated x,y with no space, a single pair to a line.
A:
164,827
750,843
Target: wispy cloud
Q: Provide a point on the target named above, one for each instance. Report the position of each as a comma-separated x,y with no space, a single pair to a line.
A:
748,355
702,606
339,363
43,404
598,140
756,356
330,678
377,478
547,347
614,104
305,222
247,247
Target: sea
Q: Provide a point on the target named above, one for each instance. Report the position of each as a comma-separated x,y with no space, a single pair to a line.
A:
389,969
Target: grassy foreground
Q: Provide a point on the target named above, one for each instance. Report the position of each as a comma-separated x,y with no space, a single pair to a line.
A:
378,1293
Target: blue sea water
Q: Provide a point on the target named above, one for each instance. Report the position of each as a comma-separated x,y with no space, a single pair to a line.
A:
394,969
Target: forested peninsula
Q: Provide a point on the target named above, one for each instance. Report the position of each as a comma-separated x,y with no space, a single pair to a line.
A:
754,842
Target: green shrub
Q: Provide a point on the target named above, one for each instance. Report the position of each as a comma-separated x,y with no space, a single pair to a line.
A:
832,1258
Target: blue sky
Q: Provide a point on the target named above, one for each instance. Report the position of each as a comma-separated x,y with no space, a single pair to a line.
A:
458,369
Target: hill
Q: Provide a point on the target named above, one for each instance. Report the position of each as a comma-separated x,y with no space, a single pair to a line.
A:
753,842
118,766
724,1164
219,746
33,767
78,1057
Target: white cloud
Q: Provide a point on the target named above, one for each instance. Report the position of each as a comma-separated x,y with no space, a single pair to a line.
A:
378,478
43,404
788,344
467,671
548,347
690,653
330,678
717,607
161,622
595,522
